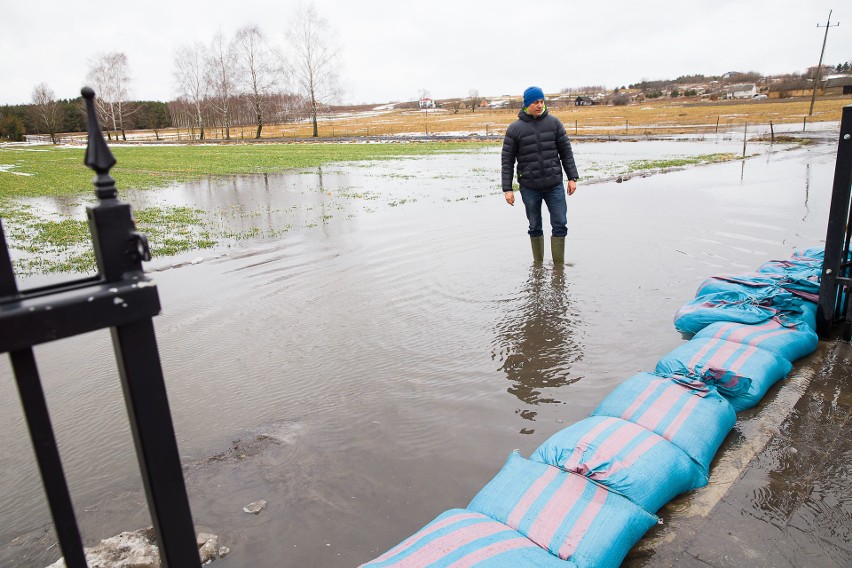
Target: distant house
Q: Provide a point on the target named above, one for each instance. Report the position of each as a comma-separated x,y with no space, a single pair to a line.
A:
741,91
838,85
426,103
583,101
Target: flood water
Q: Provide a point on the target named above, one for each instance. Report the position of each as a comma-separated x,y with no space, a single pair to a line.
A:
375,361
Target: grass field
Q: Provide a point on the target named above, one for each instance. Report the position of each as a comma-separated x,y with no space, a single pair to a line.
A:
654,117
647,118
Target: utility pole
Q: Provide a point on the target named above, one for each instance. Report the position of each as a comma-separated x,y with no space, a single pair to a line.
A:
819,66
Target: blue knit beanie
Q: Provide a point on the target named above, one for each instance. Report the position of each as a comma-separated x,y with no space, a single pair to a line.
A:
531,95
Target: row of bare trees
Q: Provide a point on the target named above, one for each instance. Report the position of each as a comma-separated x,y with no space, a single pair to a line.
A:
215,79
246,79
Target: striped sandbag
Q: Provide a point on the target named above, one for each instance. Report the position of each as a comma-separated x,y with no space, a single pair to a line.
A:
690,415
625,457
730,305
809,315
756,282
742,373
789,341
461,538
569,515
796,267
813,254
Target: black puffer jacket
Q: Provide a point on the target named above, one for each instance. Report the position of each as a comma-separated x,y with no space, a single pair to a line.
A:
541,148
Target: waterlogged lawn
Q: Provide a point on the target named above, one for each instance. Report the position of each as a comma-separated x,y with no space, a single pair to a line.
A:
47,171
609,169
46,239
47,245
643,165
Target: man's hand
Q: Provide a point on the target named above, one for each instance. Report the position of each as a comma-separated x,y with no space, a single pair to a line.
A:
510,197
572,187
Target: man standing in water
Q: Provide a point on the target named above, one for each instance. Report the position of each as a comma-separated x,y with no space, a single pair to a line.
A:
540,145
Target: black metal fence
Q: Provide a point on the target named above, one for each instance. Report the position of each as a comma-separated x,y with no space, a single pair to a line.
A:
834,305
121,298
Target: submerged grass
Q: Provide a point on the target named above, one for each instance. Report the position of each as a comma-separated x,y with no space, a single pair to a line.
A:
608,171
48,171
56,244
644,165
173,230
50,245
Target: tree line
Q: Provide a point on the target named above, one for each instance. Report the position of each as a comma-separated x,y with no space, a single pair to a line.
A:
49,117
221,83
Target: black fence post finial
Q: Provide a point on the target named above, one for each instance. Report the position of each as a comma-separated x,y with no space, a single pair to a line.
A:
119,248
98,155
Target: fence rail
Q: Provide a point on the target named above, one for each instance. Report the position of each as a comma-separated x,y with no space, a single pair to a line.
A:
121,298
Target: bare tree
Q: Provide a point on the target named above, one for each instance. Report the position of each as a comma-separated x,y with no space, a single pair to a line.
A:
258,71
190,77
98,78
314,59
46,110
473,99
221,70
109,75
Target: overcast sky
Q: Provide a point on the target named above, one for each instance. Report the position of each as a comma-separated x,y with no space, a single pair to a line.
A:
391,49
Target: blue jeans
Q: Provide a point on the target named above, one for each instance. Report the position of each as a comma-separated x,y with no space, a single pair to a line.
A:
554,198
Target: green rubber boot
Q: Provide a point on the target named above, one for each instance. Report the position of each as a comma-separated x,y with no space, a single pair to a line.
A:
537,248
557,249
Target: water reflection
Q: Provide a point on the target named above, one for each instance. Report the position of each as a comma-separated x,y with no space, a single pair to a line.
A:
262,205
539,339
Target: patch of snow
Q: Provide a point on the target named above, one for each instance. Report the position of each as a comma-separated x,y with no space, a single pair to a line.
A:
7,168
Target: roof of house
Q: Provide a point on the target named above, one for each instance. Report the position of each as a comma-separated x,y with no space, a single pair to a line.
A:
839,81
741,87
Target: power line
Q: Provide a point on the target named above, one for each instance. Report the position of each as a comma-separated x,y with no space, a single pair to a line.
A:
819,65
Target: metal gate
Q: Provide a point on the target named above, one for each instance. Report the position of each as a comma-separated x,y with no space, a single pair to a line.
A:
121,298
834,305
